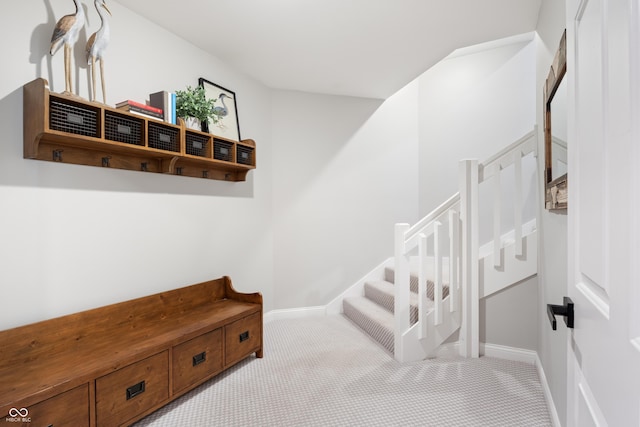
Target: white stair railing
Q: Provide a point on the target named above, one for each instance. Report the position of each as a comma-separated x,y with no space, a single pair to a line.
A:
424,241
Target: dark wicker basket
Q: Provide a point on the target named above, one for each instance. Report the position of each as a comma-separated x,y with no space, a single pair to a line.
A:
121,128
245,155
73,118
196,144
163,137
222,150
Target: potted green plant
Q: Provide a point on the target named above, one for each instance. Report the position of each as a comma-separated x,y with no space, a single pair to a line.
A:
193,106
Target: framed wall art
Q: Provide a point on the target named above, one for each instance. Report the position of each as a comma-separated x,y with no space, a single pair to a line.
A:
227,125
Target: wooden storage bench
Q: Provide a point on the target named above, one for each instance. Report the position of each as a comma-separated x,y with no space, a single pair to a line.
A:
113,365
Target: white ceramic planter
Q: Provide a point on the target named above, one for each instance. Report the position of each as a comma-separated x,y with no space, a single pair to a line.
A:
192,123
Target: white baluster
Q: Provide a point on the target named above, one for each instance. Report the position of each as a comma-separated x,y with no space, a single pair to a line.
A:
422,286
454,236
401,290
437,280
517,218
497,203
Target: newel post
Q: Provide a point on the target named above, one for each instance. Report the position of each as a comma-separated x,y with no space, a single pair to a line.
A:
401,289
470,331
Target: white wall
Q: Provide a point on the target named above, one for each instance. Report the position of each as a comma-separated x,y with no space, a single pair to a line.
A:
552,240
510,318
472,106
76,237
345,170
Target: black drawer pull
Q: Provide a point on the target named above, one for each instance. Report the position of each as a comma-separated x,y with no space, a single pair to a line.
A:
244,336
199,358
135,390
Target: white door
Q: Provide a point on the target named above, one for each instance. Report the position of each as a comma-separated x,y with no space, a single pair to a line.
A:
603,366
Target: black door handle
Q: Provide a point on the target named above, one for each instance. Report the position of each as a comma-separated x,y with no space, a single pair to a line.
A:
565,310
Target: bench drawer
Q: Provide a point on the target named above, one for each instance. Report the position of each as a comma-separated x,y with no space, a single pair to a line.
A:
196,359
242,338
132,390
70,408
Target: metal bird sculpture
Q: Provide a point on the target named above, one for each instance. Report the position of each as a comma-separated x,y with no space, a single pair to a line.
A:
222,111
66,34
96,45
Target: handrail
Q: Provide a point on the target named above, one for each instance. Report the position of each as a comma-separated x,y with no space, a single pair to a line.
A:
418,227
451,201
431,216
509,148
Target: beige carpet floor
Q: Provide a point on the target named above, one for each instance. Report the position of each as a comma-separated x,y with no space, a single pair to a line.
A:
325,372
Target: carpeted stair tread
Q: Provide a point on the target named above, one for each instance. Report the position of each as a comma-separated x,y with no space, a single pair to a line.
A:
372,318
373,312
389,275
382,293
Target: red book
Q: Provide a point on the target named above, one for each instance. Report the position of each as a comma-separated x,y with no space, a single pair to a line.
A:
139,105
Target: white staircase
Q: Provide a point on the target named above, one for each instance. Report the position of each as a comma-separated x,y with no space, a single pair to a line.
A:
433,286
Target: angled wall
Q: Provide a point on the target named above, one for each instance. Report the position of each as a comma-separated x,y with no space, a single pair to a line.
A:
345,171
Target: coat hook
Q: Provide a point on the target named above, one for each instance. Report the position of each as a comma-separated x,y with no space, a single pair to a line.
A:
57,155
178,171
143,166
205,174
105,161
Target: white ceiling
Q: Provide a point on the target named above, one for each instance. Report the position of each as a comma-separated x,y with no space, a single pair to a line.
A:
369,48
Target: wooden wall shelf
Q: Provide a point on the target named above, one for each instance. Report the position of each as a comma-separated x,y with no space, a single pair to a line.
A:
68,129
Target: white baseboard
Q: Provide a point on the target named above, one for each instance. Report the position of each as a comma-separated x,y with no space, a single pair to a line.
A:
357,289
508,353
335,306
553,412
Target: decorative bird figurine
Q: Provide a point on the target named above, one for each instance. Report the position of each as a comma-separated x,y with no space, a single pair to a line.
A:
96,45
222,111
66,33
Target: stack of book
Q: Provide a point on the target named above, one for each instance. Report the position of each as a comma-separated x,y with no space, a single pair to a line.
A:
161,106
141,109
167,102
